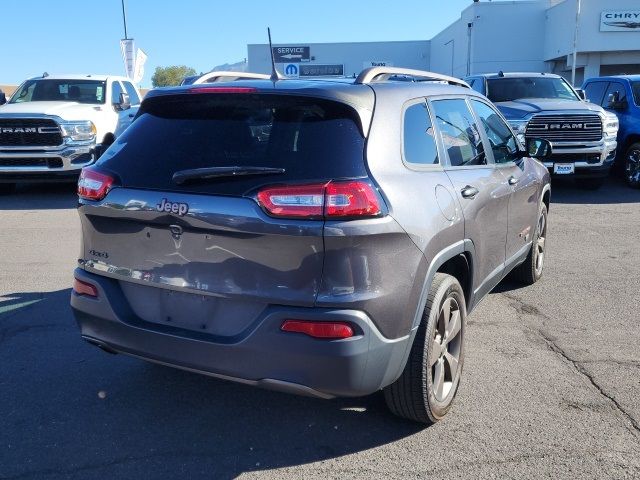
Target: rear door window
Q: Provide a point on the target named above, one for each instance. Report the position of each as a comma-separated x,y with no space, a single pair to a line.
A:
312,139
418,136
459,132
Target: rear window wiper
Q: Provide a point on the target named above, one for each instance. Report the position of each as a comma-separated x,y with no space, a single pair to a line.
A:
195,174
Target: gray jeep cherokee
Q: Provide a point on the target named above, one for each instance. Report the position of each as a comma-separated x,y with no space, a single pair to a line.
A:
316,237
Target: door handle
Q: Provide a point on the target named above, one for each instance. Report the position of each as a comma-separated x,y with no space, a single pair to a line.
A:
513,180
469,192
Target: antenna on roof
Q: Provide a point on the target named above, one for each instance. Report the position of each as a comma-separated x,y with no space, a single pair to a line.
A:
275,75
45,75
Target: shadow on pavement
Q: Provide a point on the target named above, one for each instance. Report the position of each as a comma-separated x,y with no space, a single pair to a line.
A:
614,190
40,196
73,411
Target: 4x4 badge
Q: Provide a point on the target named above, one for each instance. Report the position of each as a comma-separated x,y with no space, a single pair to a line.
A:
172,207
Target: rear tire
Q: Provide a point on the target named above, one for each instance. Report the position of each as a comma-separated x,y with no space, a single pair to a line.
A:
429,382
7,188
531,270
632,165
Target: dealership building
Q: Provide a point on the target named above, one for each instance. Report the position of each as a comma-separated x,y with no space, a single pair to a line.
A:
489,36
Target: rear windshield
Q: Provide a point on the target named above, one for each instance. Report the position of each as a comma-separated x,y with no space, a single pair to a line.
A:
311,139
81,91
514,88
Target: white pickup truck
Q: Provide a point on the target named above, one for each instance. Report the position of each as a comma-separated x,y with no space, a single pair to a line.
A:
52,126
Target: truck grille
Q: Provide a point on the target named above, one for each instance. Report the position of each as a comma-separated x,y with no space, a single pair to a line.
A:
31,162
29,132
565,128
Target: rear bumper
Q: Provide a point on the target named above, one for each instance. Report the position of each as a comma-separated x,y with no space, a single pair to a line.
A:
261,355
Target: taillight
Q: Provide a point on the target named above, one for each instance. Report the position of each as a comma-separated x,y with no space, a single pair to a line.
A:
326,330
351,199
329,200
93,185
84,288
222,90
294,201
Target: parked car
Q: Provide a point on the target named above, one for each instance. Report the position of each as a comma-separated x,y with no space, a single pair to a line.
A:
54,125
316,237
583,135
222,76
621,96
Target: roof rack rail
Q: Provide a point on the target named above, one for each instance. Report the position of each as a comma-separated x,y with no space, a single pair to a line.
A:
224,76
382,74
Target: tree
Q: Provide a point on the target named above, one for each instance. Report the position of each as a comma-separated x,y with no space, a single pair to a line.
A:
169,76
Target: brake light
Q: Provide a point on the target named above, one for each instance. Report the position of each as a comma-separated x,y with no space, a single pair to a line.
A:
84,288
328,200
351,199
325,330
222,90
94,185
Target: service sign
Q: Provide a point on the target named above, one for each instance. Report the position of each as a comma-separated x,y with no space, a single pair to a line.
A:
291,54
620,21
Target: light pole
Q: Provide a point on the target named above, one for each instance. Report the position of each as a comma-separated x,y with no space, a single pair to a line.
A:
575,45
124,20
453,50
469,27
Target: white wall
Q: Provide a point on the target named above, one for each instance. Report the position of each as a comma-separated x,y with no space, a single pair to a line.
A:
409,54
560,24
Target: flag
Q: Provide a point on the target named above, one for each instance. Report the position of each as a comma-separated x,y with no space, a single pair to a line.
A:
126,45
141,58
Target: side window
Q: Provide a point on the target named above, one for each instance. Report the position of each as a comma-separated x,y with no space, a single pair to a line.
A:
503,143
594,91
133,95
614,87
116,90
418,136
459,132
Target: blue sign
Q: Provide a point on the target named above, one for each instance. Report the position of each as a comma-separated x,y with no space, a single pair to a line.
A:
291,70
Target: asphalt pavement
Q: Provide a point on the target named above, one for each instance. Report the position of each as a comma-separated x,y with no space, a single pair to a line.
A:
551,387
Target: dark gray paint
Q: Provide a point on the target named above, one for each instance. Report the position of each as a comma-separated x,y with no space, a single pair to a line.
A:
256,270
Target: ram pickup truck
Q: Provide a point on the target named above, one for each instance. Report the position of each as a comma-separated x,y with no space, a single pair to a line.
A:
52,126
543,105
621,95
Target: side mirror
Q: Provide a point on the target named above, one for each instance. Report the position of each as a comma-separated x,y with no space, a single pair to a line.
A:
615,103
124,103
3,98
581,93
538,148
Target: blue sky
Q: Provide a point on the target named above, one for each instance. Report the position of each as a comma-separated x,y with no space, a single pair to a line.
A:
82,36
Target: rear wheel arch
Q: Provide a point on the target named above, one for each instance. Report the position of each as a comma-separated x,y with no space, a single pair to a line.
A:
459,267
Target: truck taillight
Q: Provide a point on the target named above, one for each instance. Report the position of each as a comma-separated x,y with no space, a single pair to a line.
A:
350,199
94,185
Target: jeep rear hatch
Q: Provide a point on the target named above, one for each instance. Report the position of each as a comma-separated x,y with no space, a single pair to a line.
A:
183,210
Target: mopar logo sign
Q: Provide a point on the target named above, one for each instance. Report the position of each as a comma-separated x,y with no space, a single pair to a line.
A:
292,70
